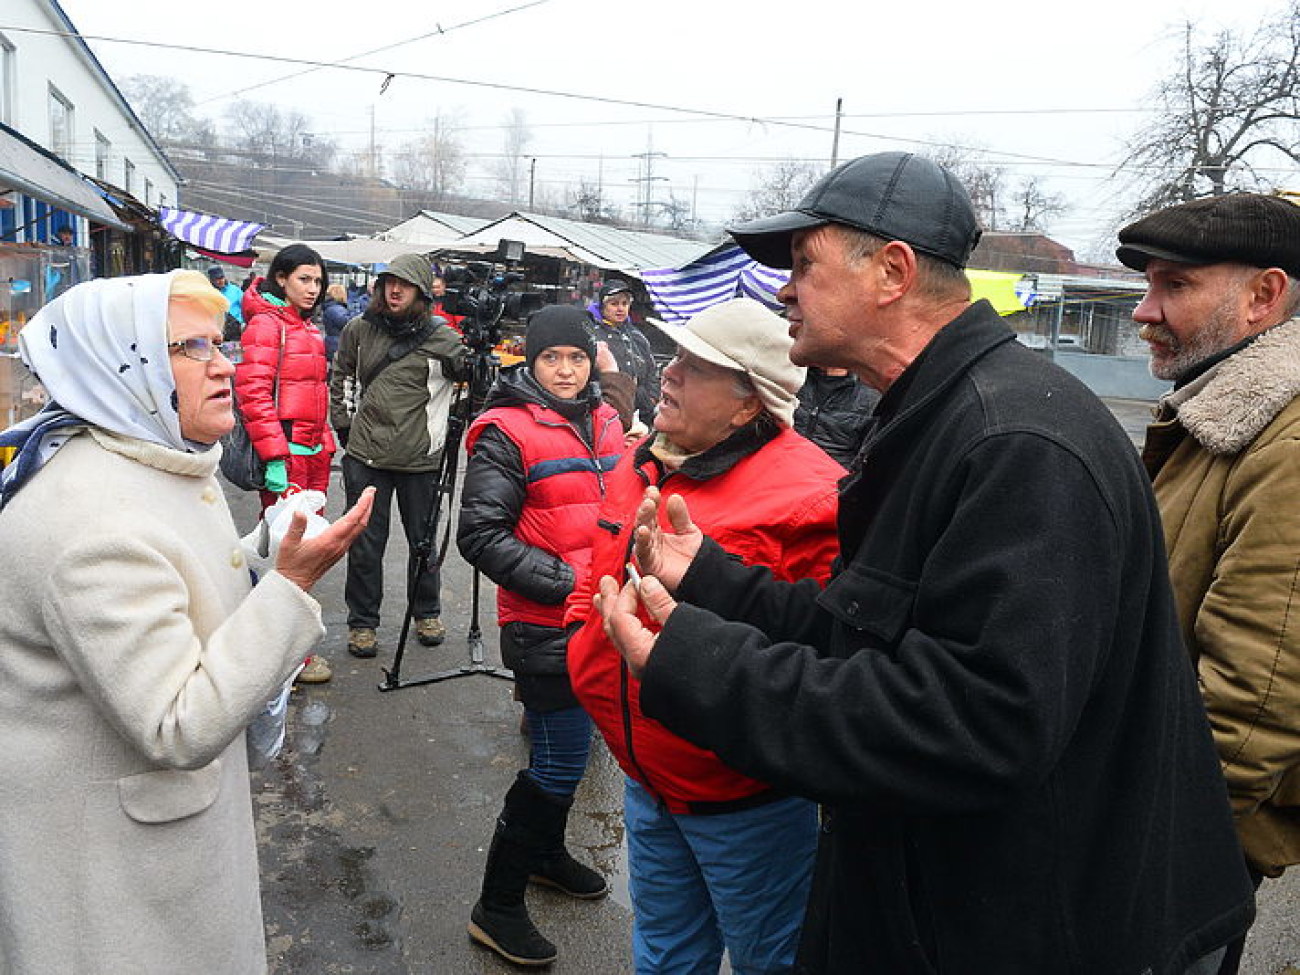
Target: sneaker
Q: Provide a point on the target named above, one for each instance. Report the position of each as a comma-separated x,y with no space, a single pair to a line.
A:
430,631
362,641
317,671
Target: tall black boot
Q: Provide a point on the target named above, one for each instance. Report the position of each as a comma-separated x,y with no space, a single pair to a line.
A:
500,920
555,867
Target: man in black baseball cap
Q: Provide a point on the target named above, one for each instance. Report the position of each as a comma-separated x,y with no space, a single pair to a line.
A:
1223,290
990,696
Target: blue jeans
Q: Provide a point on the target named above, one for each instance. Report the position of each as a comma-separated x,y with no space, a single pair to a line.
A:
561,740
737,880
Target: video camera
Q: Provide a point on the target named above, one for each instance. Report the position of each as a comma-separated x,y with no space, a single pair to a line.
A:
482,292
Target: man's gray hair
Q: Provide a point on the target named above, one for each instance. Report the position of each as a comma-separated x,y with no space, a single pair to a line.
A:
1291,303
937,280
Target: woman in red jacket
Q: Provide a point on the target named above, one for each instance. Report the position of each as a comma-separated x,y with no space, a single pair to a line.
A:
281,383
282,388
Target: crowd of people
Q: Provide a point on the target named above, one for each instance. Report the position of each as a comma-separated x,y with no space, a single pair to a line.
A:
871,703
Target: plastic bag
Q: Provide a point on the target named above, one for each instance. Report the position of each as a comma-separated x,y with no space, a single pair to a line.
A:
263,542
265,736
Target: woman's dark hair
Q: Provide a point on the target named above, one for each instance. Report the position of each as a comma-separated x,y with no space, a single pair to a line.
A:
292,257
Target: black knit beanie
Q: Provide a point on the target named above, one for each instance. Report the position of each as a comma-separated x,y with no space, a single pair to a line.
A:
559,325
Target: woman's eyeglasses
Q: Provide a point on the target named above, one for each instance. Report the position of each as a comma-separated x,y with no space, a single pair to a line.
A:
201,350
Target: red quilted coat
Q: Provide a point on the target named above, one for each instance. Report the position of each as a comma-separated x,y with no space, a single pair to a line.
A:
772,505
303,397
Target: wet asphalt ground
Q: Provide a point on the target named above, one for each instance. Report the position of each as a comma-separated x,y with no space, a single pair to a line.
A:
374,822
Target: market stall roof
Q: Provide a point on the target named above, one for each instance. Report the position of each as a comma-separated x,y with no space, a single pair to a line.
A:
432,227
39,173
362,251
611,248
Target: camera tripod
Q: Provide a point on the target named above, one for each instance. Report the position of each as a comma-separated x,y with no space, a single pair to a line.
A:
466,404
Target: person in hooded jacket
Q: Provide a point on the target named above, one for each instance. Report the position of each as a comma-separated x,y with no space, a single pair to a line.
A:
390,398
334,316
539,455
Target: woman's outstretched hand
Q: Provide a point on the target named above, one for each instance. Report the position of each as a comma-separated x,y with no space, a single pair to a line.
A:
304,560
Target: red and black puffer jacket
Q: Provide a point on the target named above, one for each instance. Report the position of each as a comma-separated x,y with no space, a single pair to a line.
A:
532,486
299,409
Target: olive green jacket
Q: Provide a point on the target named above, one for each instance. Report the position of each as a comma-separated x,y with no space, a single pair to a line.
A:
1225,457
398,422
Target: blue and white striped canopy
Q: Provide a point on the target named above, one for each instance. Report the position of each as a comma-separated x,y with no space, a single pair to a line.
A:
720,275
209,232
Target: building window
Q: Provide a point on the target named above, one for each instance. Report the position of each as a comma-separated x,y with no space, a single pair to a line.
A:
61,119
148,192
103,150
8,79
128,175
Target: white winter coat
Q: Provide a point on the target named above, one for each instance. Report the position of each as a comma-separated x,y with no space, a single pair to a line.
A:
132,656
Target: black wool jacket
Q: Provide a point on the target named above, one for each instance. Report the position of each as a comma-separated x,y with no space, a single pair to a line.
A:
990,698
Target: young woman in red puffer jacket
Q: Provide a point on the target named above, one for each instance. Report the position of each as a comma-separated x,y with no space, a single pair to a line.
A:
283,392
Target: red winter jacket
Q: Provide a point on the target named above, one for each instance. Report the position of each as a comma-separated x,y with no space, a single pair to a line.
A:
304,397
772,504
565,478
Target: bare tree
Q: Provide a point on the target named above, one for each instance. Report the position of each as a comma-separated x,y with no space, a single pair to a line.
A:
1231,108
587,203
776,189
433,165
164,105
278,137
1034,206
985,182
511,168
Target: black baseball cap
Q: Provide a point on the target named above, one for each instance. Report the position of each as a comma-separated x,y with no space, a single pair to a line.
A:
611,288
894,195
1241,228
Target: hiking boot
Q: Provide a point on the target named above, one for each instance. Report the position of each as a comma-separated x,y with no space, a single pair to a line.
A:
317,671
430,631
362,641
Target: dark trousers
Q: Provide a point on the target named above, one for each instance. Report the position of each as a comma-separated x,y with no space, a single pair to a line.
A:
364,590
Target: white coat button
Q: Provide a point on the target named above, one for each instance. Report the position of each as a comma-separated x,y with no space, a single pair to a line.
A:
237,558
209,495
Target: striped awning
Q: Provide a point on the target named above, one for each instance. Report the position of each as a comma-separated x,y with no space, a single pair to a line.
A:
728,272
209,232
724,273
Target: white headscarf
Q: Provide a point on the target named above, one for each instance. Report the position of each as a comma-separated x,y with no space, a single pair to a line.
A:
100,351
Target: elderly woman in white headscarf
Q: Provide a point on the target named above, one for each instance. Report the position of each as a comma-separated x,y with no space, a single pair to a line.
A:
132,652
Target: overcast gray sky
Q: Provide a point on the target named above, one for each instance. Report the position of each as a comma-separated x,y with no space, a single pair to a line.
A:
1046,89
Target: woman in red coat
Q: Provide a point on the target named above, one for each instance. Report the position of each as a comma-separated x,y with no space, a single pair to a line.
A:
282,388
281,383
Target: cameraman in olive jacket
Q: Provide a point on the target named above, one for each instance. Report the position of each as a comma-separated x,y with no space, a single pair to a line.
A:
390,397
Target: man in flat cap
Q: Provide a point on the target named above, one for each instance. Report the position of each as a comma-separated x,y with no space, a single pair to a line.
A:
990,697
1224,452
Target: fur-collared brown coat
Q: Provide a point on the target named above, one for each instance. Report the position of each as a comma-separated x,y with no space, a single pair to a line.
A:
1225,458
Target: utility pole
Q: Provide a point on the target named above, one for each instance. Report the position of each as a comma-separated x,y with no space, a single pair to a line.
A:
372,141
835,142
532,178
645,192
